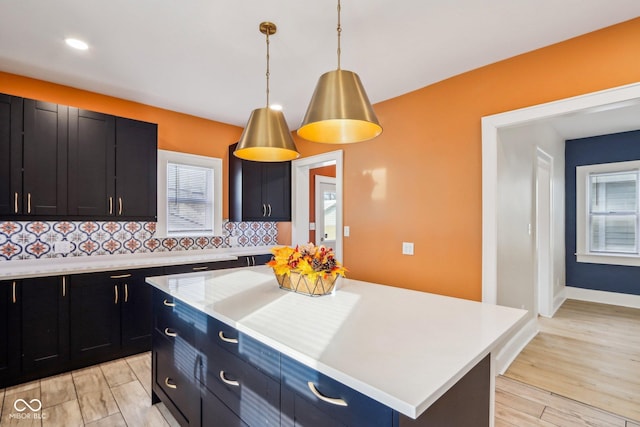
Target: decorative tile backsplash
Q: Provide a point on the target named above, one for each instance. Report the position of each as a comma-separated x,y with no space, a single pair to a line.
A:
37,239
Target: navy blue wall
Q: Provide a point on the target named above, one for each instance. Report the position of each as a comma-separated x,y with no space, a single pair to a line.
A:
617,147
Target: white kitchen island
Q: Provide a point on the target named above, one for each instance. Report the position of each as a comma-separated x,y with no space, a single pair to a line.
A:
403,349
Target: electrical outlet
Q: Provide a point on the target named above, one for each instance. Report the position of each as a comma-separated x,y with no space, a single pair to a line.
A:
346,231
312,226
407,248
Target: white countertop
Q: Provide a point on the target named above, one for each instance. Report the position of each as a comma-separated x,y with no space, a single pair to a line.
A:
400,347
20,269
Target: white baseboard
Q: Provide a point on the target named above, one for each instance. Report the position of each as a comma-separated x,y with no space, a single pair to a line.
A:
514,344
559,299
613,298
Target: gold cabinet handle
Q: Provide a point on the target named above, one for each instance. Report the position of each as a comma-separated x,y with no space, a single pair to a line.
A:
253,261
228,381
115,289
28,202
64,286
126,292
169,304
168,332
119,205
264,210
13,292
169,383
15,202
120,276
200,268
269,209
331,400
110,205
225,339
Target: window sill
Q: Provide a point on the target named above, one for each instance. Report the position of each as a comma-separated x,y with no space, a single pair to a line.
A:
617,259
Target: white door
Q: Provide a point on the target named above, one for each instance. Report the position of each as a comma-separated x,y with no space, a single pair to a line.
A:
544,246
326,211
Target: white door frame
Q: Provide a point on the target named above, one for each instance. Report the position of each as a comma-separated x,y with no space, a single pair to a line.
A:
544,234
490,127
300,197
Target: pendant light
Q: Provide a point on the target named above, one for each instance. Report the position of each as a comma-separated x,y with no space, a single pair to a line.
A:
266,138
339,111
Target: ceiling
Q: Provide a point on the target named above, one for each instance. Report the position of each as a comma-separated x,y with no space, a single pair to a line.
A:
208,59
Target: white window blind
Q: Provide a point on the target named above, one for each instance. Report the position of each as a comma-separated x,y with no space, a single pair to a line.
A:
189,199
613,212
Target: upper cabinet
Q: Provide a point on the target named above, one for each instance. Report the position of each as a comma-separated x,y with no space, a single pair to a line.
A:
136,169
112,167
33,147
64,162
259,191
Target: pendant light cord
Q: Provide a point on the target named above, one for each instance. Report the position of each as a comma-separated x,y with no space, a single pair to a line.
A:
267,73
339,29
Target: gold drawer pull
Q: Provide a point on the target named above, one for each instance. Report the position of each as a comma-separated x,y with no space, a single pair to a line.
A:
200,268
15,203
227,381
169,304
331,400
120,276
169,383
168,332
225,339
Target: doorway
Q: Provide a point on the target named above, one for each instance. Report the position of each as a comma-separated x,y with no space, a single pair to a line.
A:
300,224
325,207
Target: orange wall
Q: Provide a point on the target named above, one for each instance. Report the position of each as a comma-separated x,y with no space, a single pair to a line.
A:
420,181
176,131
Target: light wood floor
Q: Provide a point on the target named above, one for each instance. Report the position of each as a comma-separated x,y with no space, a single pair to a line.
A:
113,394
588,353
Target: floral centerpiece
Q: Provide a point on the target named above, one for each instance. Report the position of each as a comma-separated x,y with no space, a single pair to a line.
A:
306,269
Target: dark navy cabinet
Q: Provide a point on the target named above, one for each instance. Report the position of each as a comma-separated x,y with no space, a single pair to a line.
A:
9,330
259,191
33,158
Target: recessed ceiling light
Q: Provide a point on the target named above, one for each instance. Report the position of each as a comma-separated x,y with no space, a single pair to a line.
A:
77,44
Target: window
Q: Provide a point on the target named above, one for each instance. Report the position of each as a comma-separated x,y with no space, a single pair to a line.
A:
189,195
613,212
607,212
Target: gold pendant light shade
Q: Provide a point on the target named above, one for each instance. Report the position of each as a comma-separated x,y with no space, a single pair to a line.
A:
339,111
266,138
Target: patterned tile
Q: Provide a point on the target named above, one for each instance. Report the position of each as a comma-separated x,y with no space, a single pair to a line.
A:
37,239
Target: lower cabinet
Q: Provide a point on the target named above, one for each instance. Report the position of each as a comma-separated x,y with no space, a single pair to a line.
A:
34,327
9,330
110,314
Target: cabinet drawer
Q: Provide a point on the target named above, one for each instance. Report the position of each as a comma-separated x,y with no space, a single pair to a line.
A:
176,319
338,401
215,413
259,355
192,268
176,365
249,393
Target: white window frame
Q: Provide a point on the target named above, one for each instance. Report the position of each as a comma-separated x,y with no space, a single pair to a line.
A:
164,158
583,253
